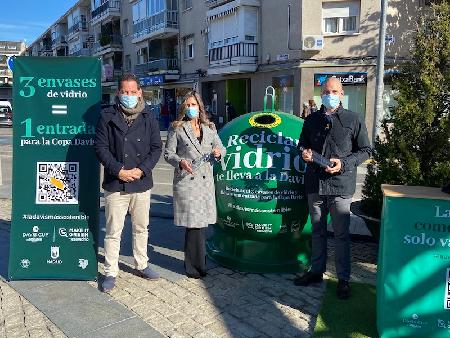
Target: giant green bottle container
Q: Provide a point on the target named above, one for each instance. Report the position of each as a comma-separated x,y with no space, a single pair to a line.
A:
261,204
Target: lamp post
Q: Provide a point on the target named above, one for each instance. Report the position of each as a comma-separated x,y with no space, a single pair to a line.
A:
380,71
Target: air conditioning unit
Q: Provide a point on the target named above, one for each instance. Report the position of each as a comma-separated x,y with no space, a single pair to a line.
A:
313,42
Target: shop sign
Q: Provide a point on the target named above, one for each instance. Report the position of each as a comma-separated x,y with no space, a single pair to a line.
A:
347,79
153,80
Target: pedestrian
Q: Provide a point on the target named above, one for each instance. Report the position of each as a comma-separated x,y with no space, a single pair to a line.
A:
341,136
309,108
312,106
230,111
128,145
190,137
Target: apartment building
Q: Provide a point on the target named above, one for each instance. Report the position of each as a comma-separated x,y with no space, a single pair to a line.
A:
155,58
8,49
78,36
231,50
243,46
106,30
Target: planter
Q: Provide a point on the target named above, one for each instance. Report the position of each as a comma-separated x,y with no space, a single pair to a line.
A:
372,223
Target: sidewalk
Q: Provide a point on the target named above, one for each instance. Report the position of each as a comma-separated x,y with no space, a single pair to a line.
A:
224,304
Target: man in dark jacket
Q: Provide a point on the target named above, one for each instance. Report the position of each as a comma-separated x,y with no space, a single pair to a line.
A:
128,144
339,135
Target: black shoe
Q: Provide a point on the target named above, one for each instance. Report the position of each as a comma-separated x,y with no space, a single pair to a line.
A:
193,275
308,279
343,289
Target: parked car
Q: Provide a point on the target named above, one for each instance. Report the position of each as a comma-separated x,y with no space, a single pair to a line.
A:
5,113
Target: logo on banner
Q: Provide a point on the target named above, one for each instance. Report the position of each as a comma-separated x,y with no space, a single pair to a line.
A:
83,263
62,232
35,236
414,322
75,234
25,263
54,254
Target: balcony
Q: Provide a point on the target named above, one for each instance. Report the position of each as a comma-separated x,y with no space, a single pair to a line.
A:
157,65
80,26
164,23
59,41
80,52
215,3
110,8
45,50
111,77
107,44
237,58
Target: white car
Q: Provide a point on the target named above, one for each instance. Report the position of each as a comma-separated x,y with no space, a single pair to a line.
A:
5,113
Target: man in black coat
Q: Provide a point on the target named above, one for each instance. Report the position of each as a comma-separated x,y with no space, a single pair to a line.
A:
341,136
128,144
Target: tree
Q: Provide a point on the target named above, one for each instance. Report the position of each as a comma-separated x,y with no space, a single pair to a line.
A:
414,144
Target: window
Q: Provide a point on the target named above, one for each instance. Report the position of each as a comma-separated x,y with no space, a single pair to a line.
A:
425,2
125,27
139,11
142,56
205,35
155,7
340,17
187,4
189,47
127,63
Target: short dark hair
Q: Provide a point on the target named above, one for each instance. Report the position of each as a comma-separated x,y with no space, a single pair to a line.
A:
128,77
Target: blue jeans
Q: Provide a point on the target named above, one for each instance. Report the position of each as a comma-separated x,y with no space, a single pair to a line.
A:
339,209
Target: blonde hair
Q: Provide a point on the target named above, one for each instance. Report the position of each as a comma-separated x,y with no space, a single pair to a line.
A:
202,116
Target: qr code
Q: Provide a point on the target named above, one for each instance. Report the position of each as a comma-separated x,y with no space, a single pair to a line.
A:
447,291
57,182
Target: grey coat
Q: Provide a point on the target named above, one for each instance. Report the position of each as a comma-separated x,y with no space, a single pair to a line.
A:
194,201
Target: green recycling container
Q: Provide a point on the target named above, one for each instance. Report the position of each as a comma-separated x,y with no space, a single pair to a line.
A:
262,213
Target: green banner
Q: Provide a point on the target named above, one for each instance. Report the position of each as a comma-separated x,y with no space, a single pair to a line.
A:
55,172
413,280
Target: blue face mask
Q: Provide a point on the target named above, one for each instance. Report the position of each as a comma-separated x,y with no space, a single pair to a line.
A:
191,112
128,101
331,101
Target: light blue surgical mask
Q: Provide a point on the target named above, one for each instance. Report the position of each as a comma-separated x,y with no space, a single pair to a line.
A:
129,101
191,112
331,101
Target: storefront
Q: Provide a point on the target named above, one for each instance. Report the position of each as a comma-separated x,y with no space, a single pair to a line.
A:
164,96
355,87
284,92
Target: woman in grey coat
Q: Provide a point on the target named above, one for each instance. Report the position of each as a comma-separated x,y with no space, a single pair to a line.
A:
191,137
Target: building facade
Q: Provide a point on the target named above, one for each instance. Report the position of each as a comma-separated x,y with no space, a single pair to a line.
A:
231,50
8,49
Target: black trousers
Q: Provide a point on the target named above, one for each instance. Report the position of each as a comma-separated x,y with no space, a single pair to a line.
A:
195,252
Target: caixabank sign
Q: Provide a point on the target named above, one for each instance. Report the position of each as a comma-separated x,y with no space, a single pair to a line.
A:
55,172
261,203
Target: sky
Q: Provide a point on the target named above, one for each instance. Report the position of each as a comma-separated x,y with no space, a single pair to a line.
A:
26,20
